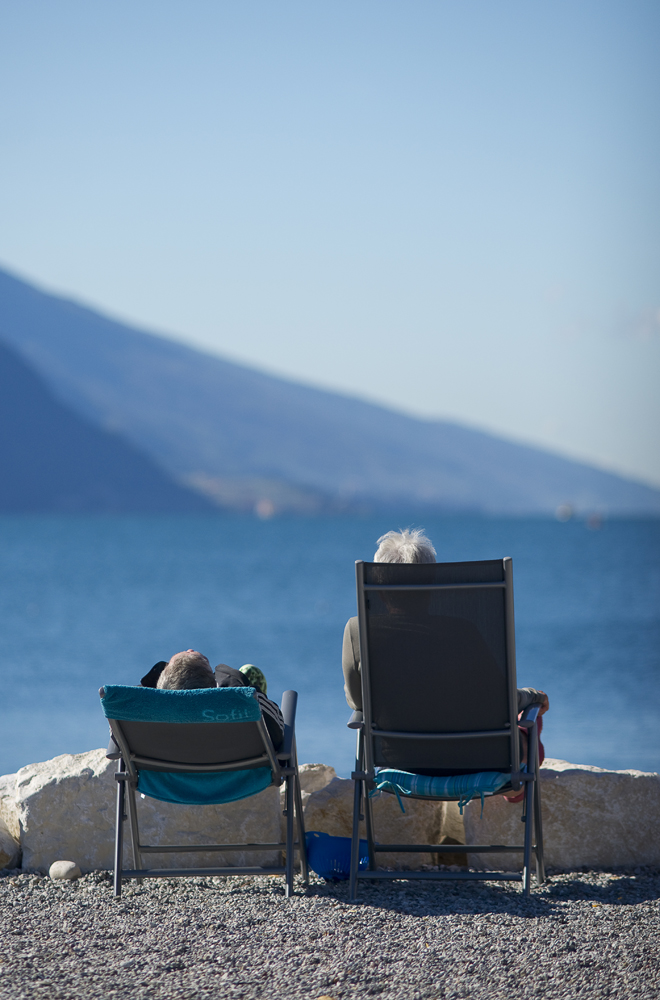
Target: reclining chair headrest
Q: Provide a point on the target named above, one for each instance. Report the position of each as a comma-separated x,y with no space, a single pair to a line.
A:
141,704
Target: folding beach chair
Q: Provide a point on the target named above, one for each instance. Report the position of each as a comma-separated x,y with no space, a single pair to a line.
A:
438,669
200,747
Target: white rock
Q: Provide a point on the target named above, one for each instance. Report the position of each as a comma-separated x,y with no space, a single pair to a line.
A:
453,825
10,848
66,808
64,870
8,807
330,810
591,816
314,777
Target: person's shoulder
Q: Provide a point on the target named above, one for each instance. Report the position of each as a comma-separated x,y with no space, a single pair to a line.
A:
351,630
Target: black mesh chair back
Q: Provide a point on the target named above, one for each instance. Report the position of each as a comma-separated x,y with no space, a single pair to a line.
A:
438,657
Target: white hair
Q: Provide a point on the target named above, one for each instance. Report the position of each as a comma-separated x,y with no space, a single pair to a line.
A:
410,545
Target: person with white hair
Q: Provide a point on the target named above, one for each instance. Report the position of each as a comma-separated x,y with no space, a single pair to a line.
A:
410,545
406,546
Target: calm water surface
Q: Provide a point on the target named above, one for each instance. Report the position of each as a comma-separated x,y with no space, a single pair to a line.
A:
87,601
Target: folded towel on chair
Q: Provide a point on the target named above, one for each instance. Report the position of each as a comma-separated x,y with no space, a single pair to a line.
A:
463,787
204,789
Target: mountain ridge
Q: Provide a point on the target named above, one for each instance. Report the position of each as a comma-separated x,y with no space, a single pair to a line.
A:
53,461
219,426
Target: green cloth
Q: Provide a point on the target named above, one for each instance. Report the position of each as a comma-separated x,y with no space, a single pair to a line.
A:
256,677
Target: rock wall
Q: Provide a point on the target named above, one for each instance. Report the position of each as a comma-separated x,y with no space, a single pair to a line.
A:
63,809
591,816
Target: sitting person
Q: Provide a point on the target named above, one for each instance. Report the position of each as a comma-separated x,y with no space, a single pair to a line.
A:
413,546
190,670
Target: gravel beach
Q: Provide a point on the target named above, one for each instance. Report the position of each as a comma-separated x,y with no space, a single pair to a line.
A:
585,934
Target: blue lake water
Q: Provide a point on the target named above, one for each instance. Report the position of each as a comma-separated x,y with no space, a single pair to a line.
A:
86,601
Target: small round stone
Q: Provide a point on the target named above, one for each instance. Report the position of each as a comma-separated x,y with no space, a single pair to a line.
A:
64,869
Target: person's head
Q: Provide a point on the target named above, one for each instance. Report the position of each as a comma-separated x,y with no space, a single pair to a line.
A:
407,546
189,669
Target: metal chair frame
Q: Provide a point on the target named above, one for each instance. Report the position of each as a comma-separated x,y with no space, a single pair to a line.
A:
284,768
364,773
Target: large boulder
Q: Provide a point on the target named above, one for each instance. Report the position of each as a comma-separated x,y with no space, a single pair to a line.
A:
8,806
66,809
313,777
591,816
10,849
330,810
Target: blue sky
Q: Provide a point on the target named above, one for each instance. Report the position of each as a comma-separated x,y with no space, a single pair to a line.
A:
451,207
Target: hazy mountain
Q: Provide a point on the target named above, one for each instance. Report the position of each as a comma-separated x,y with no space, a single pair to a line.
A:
241,435
53,460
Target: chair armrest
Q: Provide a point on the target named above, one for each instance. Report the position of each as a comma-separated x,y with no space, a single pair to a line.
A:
289,703
528,718
113,752
356,721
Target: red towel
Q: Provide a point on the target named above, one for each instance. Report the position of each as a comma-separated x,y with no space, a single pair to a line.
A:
519,796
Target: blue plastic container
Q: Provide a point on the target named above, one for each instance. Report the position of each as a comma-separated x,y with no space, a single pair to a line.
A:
330,857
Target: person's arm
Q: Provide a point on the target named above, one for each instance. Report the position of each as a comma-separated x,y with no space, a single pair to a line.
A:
273,718
530,696
150,680
350,662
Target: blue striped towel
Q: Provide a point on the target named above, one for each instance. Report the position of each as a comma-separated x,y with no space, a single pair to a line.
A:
463,787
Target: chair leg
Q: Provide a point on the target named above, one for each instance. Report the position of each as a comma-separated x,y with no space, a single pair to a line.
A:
369,824
538,829
289,834
135,834
119,833
300,825
529,829
355,841
532,757
355,838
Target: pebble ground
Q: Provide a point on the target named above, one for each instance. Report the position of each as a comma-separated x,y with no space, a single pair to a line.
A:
584,934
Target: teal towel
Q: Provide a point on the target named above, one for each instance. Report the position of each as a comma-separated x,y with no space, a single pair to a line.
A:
141,704
204,789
